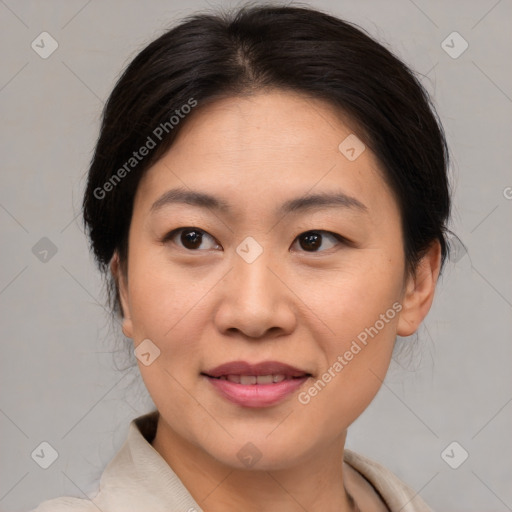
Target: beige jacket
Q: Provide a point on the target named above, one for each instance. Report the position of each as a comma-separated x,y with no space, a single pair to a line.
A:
138,479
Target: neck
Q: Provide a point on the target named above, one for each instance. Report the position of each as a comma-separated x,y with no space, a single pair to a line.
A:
314,484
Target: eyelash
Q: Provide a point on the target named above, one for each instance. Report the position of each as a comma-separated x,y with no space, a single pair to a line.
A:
172,234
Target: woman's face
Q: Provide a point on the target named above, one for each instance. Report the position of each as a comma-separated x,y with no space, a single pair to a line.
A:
294,270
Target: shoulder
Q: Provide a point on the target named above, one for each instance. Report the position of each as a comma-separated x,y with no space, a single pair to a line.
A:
136,479
396,494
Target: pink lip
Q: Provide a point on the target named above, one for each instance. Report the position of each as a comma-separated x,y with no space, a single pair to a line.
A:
256,395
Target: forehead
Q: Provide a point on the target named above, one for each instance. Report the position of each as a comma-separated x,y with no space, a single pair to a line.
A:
268,147
263,125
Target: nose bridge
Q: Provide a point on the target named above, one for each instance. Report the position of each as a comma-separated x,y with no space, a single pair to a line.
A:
255,285
254,299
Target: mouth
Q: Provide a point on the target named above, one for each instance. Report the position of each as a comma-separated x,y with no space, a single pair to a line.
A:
256,385
251,380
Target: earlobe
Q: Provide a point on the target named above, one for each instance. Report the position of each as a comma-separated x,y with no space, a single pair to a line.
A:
419,292
122,293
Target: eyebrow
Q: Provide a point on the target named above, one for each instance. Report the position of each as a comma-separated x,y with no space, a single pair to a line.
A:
302,204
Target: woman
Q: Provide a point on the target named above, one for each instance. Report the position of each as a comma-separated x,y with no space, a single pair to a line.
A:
269,195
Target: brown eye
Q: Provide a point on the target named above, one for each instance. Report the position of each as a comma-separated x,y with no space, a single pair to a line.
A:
311,241
192,239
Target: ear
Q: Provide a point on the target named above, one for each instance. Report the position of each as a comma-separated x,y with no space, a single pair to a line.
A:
419,291
122,292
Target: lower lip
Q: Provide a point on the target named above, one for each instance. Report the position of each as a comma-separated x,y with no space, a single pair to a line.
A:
256,395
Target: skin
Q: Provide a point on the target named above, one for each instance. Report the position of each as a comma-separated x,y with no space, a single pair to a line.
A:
206,306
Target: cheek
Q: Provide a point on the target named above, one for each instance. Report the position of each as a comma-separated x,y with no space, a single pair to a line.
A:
166,309
161,297
169,307
360,306
355,297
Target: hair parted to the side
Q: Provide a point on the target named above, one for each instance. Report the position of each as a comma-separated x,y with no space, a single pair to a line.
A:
257,48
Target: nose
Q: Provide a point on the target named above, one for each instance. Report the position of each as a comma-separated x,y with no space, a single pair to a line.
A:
255,303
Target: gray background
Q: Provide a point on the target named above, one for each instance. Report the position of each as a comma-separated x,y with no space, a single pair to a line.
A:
61,380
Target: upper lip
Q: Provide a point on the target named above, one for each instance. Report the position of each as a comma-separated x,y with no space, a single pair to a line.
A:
263,368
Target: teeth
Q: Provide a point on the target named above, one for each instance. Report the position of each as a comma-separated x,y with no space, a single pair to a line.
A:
265,379
249,380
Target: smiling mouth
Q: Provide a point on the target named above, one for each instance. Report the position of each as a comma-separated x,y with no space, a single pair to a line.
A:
256,385
265,372
250,380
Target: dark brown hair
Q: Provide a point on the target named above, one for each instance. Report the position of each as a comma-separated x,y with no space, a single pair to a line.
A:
209,56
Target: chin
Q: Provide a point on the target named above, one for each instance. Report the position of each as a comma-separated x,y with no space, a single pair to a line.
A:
258,455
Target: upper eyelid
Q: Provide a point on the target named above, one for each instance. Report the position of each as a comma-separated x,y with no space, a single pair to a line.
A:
174,232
